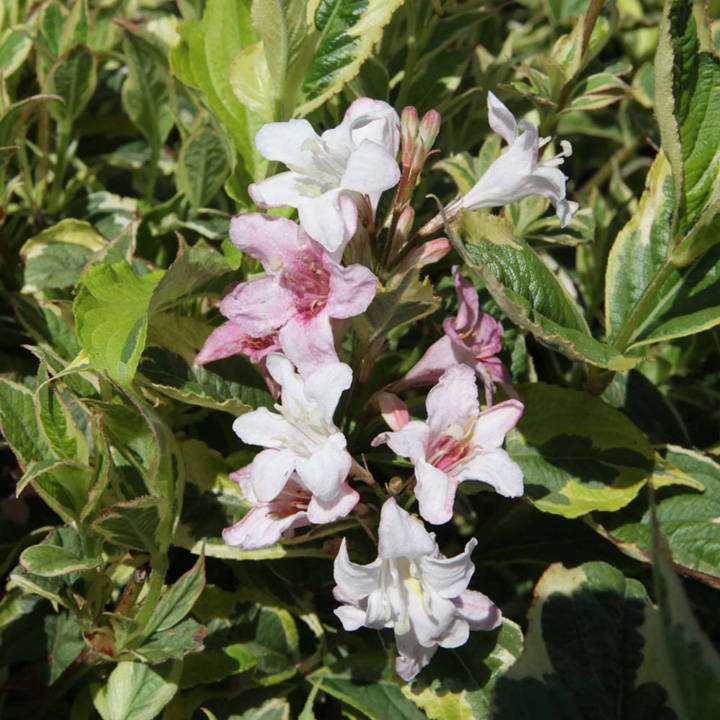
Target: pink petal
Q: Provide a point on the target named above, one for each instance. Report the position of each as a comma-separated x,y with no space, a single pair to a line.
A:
468,303
393,410
453,401
478,610
412,657
351,290
274,241
494,467
370,169
308,342
402,535
435,493
494,423
258,307
229,339
437,359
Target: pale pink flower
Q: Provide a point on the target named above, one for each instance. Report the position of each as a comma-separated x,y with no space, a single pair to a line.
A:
325,172
301,438
303,289
472,338
413,589
518,172
228,339
267,521
457,443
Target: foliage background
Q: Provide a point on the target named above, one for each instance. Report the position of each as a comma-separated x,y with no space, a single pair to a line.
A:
126,132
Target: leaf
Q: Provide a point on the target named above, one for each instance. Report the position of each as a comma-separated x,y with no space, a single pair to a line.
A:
18,424
173,643
60,553
530,293
251,82
577,453
111,316
73,78
586,653
64,485
136,691
65,642
145,93
647,299
202,58
139,524
392,308
203,166
687,101
56,257
15,46
688,519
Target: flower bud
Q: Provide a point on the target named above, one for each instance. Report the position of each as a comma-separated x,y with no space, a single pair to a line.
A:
405,223
429,128
394,410
395,485
409,121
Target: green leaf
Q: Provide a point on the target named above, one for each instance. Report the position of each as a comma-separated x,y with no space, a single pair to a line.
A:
577,453
146,91
139,524
56,257
688,519
73,78
111,313
18,424
202,59
15,46
173,643
65,642
251,82
687,101
273,709
60,553
392,308
203,166
529,292
214,665
647,299
136,691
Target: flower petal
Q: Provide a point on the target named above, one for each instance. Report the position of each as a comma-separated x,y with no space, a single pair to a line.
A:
351,290
270,471
284,141
468,302
258,307
393,410
501,120
494,423
350,616
370,169
229,339
260,528
264,428
495,468
309,342
412,657
341,505
326,469
427,370
277,190
274,241
330,219
453,401
374,120
325,386
478,610
402,535
448,577
354,582
410,441
435,492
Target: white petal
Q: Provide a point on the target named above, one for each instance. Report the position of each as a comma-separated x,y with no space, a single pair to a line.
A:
431,617
478,610
501,120
378,612
284,141
330,218
435,492
277,190
453,401
402,535
374,120
351,617
354,582
410,441
449,576
264,428
495,468
326,469
260,528
494,423
412,657
325,386
270,471
370,169
340,505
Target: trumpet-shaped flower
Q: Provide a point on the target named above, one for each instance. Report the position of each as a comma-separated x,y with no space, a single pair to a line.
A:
471,338
229,339
303,289
267,521
457,443
518,173
413,589
301,438
358,156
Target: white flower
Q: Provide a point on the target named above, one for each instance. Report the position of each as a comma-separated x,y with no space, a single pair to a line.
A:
517,173
457,443
301,438
413,589
358,156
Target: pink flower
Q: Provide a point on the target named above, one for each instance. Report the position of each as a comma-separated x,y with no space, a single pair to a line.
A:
229,339
355,158
303,289
267,521
414,589
472,338
457,443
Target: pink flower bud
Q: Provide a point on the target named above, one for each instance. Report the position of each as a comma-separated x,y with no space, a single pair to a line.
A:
393,410
429,128
427,253
409,121
405,223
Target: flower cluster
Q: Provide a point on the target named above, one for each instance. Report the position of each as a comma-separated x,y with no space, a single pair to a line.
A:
291,321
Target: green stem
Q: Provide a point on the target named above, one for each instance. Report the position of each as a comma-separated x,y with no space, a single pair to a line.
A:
642,306
60,167
412,56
